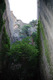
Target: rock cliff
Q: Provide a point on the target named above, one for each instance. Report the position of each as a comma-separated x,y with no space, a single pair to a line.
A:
8,20
5,23
45,10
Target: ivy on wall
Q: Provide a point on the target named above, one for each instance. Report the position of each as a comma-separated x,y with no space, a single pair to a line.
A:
5,42
47,52
2,9
5,48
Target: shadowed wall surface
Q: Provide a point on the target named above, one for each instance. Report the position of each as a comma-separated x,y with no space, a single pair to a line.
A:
46,18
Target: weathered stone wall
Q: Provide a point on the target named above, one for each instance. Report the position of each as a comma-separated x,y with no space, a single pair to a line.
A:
46,17
8,20
8,24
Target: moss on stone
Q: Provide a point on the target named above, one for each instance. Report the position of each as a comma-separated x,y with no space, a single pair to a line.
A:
47,52
2,9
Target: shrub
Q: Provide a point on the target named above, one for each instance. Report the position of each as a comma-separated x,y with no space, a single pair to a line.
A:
5,48
2,8
5,42
24,54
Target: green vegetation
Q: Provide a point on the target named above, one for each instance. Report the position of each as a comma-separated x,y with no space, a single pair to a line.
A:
45,42
36,38
21,59
5,48
25,30
5,42
2,8
24,54
33,23
34,35
2,5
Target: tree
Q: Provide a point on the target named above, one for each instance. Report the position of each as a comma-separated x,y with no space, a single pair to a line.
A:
5,48
25,29
33,23
25,55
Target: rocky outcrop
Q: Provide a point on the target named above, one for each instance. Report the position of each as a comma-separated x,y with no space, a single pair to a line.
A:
18,29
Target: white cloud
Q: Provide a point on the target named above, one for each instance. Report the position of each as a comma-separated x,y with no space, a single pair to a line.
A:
26,10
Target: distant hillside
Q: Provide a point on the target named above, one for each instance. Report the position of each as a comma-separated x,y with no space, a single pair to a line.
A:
18,26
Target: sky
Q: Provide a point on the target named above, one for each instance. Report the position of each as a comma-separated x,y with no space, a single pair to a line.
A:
26,10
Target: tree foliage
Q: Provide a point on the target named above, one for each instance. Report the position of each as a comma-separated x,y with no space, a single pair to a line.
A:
24,54
33,23
2,8
25,29
5,48
5,42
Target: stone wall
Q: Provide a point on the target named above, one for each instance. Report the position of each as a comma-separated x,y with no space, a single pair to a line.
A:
8,24
8,20
46,17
